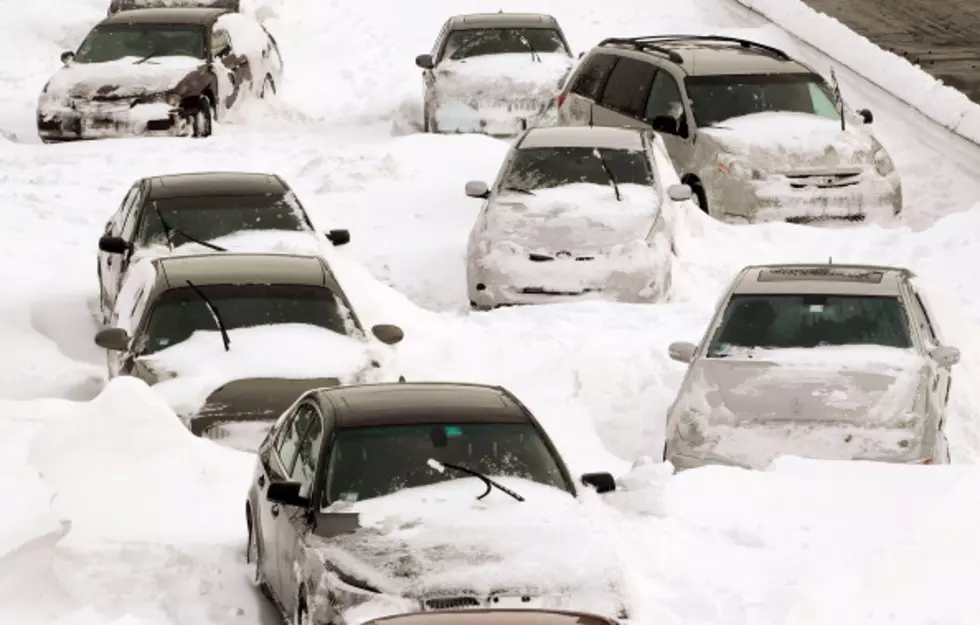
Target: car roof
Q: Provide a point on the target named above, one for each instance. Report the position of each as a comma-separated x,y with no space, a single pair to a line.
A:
418,403
502,20
822,279
224,183
723,58
183,15
493,617
241,268
583,136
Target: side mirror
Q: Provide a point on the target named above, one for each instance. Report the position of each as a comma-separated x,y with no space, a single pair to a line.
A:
601,482
682,351
945,355
67,56
339,237
425,61
113,245
113,339
477,189
387,333
679,192
665,124
866,115
286,493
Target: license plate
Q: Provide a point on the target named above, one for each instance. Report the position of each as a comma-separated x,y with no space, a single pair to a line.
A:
512,105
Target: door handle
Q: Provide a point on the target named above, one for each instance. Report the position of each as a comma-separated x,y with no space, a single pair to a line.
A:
275,509
261,481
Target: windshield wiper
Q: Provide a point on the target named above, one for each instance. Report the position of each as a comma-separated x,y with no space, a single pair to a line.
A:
442,466
534,53
609,174
146,58
520,190
169,232
215,314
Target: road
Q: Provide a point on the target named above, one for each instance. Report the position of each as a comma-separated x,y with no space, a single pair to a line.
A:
941,36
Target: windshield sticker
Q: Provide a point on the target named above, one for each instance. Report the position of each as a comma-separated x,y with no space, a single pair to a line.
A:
816,308
351,497
453,431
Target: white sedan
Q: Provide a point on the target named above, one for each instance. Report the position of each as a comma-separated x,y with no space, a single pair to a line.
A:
575,213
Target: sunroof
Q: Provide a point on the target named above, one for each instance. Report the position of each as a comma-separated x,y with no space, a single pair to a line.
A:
826,274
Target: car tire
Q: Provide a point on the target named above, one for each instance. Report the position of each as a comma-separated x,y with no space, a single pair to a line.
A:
268,87
203,120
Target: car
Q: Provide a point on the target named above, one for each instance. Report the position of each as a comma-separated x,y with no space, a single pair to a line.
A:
115,6
491,73
160,214
756,133
493,616
838,362
575,212
422,496
158,72
175,313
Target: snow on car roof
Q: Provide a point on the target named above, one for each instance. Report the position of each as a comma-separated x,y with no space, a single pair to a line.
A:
823,279
583,137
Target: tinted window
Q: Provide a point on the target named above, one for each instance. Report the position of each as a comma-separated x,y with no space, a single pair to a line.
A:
664,95
309,449
464,44
786,321
291,437
111,43
161,4
717,98
591,77
628,86
376,461
544,168
181,312
210,217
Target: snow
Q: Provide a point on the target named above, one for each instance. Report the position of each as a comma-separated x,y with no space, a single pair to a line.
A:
156,75
510,76
114,514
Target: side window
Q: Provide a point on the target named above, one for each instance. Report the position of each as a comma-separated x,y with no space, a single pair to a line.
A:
628,86
592,75
120,215
923,321
663,93
288,445
309,450
822,105
132,216
219,41
440,39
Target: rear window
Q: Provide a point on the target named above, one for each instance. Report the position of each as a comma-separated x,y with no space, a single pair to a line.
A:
464,44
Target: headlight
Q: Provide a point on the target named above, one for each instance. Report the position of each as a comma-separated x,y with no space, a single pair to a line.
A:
883,163
638,246
172,99
735,167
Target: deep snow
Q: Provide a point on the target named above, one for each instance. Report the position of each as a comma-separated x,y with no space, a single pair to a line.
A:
120,517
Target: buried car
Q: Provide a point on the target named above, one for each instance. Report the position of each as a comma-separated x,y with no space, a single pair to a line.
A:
216,335
492,73
115,6
503,615
169,72
576,212
834,362
422,496
162,213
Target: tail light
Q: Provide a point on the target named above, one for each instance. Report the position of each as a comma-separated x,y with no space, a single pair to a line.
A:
561,98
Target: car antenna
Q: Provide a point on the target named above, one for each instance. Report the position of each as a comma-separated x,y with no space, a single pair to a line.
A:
215,314
591,114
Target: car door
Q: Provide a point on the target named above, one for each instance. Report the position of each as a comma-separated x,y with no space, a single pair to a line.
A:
129,313
110,264
624,98
428,75
127,232
230,67
665,100
940,383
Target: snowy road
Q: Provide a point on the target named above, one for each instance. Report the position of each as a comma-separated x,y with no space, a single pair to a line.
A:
155,518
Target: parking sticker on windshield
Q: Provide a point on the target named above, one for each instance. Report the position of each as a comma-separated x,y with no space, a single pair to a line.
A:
352,497
816,308
453,431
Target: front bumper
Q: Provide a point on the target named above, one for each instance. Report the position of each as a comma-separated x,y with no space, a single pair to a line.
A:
503,118
103,120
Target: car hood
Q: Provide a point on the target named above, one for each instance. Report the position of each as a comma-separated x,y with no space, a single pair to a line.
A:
778,141
439,540
121,79
269,241
577,218
502,76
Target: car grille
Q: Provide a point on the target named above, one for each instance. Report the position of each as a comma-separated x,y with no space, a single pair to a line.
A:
815,219
540,290
451,603
824,181
527,105
543,258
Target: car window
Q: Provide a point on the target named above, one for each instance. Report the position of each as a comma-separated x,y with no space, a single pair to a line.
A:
545,168
137,41
309,449
293,432
924,322
664,94
797,320
469,43
123,213
128,229
628,86
590,79
369,462
717,98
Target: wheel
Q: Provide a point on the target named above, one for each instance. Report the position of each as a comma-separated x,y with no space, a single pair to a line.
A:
268,87
203,118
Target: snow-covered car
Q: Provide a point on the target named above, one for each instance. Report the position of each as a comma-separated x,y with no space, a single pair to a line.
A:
492,72
161,214
757,134
422,496
576,212
216,334
115,6
158,72
834,362
493,616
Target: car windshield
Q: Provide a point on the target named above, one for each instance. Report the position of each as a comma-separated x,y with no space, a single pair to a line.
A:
367,462
464,44
546,168
161,4
717,98
796,320
119,41
210,217
178,313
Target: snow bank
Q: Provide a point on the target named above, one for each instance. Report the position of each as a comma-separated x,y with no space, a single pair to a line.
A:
894,74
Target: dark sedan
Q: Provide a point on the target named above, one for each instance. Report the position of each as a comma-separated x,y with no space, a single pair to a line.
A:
129,5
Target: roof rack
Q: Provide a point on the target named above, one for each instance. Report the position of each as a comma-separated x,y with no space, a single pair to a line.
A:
640,43
744,43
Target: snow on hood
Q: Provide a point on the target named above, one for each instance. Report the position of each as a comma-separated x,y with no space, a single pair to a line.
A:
777,140
502,75
201,364
121,78
269,241
440,539
581,217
